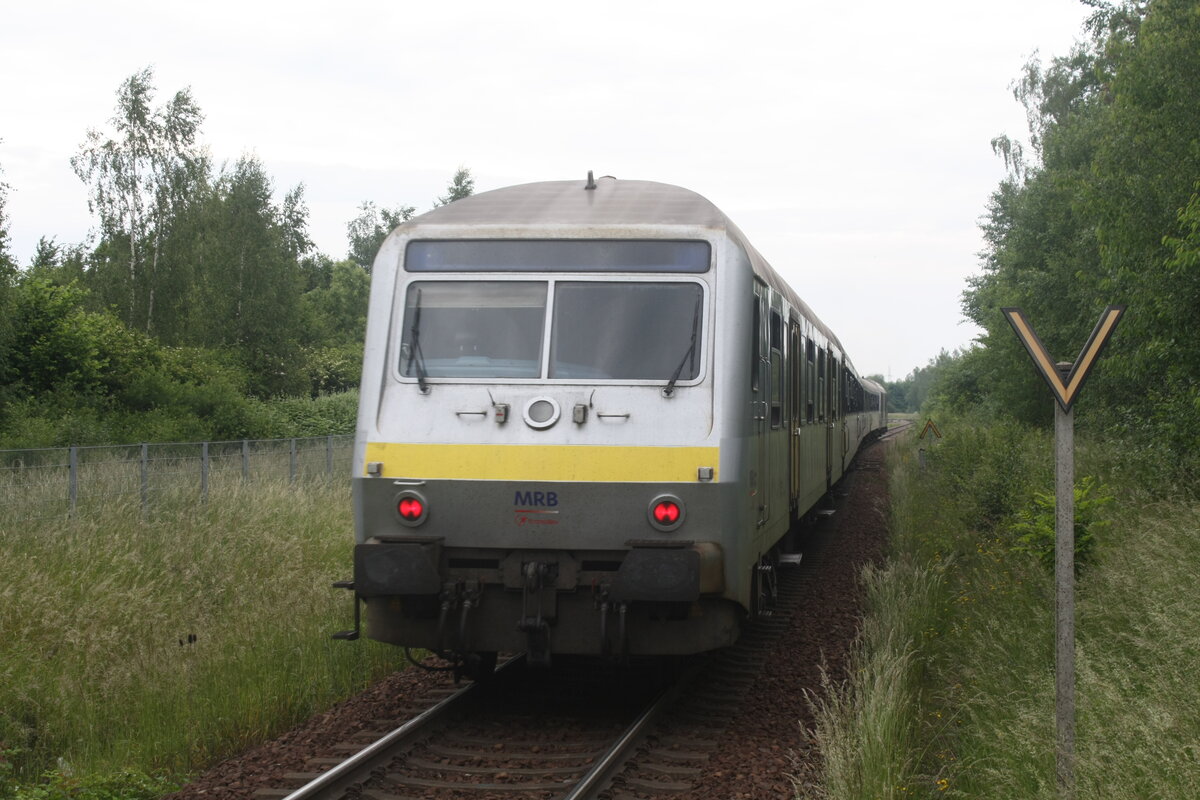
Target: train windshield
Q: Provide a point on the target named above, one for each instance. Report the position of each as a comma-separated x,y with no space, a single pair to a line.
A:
599,330
473,329
626,331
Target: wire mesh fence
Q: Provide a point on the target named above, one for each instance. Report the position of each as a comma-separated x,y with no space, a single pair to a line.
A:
66,481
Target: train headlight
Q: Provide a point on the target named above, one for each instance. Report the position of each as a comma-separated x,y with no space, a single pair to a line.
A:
541,412
666,512
411,508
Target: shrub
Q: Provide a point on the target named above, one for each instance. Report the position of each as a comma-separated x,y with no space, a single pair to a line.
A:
1035,524
334,369
60,785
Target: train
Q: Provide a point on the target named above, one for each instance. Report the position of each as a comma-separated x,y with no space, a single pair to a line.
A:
590,414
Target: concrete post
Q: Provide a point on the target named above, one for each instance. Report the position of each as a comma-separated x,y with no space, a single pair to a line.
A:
1064,605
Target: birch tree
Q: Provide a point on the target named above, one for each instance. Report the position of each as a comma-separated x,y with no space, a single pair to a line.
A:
140,172
8,267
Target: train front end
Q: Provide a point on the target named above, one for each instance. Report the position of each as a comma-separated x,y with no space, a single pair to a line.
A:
538,462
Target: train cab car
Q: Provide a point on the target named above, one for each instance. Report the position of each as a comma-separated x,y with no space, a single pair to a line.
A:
589,413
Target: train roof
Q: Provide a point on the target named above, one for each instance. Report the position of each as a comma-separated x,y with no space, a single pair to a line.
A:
611,203
873,385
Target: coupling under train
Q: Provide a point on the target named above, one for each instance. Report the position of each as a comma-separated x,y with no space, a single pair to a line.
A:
590,413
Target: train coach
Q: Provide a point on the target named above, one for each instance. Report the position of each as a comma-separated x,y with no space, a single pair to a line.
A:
590,413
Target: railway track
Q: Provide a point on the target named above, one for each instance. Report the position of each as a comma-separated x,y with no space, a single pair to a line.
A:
895,430
586,729
524,733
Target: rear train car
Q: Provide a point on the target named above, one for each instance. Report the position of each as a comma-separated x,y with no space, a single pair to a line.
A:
589,415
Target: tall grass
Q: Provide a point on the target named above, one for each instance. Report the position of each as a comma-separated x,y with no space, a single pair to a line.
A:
163,640
965,707
867,725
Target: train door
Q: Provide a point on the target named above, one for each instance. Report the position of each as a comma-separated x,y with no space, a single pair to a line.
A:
835,416
844,403
825,412
777,434
839,418
795,358
760,478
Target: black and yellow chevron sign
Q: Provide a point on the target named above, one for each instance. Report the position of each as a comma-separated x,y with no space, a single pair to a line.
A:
1065,389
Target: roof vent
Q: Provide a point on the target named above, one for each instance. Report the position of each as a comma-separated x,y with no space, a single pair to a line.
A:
591,184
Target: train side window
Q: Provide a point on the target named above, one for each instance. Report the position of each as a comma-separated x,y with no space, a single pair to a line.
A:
795,376
822,398
810,374
755,326
835,393
776,337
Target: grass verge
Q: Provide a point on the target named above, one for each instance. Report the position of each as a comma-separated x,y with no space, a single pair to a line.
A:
952,687
153,644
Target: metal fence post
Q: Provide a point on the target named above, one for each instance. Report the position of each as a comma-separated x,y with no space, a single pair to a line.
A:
145,472
168,478
204,472
73,477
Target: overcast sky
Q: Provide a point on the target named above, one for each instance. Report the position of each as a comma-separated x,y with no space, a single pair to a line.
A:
848,140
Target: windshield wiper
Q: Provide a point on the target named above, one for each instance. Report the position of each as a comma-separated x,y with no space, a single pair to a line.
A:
414,348
690,353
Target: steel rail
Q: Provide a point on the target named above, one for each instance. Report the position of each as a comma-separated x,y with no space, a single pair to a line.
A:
901,426
598,777
355,768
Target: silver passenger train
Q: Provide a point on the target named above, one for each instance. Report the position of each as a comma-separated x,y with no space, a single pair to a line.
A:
589,415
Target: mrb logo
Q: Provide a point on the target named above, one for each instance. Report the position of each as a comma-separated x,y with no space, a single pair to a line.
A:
544,499
535,508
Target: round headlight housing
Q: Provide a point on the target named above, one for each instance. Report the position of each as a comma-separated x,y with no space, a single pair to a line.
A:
541,412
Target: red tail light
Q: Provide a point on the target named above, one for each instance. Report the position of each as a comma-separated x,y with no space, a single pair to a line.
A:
411,508
665,512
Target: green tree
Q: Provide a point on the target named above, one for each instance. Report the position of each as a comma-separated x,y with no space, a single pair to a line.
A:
8,274
461,185
338,313
1146,172
139,174
1103,212
60,347
8,267
47,257
335,321
367,231
248,283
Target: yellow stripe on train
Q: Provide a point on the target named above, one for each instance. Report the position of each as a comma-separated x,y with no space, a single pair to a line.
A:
486,462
